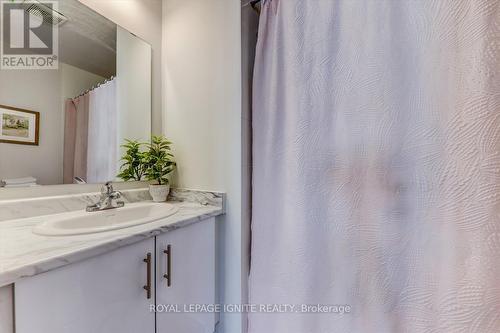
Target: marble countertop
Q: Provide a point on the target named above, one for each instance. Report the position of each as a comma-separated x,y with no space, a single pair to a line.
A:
23,253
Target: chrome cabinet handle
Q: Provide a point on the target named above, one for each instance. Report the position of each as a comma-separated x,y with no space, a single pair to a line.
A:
168,274
147,287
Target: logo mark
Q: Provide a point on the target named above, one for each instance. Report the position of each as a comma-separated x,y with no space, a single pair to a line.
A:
29,37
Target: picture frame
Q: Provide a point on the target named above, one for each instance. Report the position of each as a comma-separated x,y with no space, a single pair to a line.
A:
19,126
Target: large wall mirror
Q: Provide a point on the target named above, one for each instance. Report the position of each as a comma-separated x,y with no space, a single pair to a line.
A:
58,125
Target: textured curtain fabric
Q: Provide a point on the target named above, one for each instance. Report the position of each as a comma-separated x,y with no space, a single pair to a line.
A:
75,138
376,181
102,155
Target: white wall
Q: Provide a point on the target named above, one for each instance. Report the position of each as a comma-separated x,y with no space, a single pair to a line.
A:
144,19
35,90
133,90
202,99
75,80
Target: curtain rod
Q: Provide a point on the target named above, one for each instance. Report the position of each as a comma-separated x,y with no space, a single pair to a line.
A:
95,87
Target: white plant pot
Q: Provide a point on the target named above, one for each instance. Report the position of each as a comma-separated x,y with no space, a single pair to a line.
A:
159,192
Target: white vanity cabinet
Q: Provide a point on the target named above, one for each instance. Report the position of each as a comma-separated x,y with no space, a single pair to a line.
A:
185,279
103,294
106,294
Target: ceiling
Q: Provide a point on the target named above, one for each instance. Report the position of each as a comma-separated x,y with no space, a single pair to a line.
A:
87,40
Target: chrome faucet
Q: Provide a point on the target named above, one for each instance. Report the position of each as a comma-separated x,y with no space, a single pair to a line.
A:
79,180
108,199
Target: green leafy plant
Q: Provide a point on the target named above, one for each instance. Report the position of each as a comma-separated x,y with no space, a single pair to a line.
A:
159,160
133,167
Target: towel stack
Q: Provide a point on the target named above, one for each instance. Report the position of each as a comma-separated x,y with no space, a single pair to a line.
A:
18,182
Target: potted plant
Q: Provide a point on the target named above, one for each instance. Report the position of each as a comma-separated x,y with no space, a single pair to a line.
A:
159,163
133,167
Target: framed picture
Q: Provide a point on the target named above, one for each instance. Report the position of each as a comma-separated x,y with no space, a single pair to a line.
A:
19,126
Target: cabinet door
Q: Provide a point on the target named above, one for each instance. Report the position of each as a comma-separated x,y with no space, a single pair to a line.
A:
191,276
103,294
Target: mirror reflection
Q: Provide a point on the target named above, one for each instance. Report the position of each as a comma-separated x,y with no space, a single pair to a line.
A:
66,125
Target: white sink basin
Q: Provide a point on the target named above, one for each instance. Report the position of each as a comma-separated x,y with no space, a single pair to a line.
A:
82,222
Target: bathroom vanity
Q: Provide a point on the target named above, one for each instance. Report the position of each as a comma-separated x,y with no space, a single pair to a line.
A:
114,280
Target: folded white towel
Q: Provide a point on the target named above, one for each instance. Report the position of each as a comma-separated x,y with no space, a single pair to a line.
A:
21,185
17,181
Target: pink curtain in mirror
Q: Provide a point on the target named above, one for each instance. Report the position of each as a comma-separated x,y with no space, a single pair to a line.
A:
76,125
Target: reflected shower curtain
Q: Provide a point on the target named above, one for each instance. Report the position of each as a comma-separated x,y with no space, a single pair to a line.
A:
376,181
91,135
102,155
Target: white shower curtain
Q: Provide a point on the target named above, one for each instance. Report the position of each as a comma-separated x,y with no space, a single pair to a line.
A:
91,135
376,182
102,154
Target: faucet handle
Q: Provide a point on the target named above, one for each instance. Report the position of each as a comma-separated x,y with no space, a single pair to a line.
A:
108,199
107,188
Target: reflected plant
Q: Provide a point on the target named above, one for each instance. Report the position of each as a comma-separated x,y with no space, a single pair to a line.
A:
133,167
